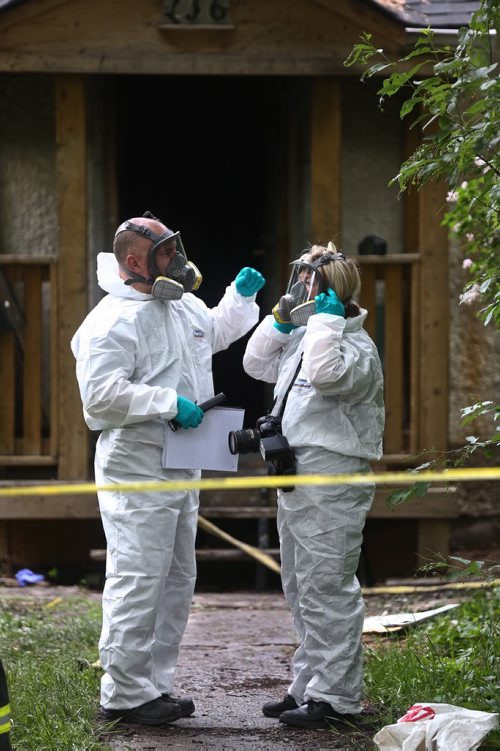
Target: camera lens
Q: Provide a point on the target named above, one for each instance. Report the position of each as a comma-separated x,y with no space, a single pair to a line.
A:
243,441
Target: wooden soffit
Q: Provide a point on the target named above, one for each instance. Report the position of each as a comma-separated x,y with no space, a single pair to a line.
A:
265,37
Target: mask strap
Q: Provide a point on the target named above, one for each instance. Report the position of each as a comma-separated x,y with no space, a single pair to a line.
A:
133,277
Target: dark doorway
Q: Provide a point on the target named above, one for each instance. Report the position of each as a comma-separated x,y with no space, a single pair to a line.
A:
208,156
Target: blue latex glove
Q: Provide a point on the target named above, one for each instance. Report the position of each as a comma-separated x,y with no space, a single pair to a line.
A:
26,576
285,328
328,302
189,415
249,281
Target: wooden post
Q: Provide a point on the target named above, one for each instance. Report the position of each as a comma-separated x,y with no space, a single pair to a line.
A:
393,360
433,321
412,139
326,199
72,270
32,370
429,321
433,318
7,391
4,545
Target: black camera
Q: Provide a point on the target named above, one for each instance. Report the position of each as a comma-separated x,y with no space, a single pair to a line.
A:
267,438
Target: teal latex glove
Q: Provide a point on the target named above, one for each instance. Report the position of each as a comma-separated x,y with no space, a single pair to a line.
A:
249,281
285,328
328,302
189,415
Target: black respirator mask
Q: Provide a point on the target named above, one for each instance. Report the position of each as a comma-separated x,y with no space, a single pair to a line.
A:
296,305
181,275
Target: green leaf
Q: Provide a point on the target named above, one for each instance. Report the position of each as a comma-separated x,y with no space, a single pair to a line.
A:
477,107
488,84
398,497
377,68
421,489
409,105
464,561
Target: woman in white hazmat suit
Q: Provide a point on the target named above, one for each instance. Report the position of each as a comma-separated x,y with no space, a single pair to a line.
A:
144,358
333,421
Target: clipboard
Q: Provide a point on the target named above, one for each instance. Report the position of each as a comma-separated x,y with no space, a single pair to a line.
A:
204,447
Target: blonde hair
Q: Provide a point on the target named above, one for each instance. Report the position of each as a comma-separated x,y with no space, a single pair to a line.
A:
340,274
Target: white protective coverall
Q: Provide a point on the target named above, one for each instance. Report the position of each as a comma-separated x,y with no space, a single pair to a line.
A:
333,420
134,355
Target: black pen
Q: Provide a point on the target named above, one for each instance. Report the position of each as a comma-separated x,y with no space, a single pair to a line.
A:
205,406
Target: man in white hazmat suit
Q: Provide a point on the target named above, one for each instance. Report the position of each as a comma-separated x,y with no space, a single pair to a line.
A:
144,357
333,421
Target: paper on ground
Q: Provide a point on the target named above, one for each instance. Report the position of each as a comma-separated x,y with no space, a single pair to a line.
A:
452,729
204,447
382,624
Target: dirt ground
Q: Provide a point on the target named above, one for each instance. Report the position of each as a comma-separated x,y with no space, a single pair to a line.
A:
235,656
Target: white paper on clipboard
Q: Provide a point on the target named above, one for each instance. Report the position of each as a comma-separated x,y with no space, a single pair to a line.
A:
204,447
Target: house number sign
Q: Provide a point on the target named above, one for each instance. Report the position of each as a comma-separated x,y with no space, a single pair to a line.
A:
197,12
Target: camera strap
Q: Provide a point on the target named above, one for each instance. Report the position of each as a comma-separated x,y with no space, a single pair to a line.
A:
279,413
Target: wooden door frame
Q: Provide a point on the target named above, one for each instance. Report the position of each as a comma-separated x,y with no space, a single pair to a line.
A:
423,234
71,187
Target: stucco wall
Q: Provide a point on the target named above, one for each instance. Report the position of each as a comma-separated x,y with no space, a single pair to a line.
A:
27,165
474,377
475,361
372,151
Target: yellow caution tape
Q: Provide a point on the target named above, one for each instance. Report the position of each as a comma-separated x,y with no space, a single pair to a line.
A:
408,477
275,481
419,589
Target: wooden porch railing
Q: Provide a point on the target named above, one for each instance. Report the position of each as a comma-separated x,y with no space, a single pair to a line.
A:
389,291
29,389
28,366
28,355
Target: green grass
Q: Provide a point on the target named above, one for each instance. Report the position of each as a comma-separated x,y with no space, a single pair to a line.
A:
453,659
47,655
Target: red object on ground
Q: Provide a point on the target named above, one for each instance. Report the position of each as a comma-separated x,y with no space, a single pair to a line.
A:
418,712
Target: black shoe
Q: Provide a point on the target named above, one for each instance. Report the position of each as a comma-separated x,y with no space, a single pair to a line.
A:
155,712
186,705
276,708
316,714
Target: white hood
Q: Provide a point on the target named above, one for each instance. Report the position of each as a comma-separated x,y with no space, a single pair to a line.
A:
109,279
